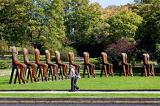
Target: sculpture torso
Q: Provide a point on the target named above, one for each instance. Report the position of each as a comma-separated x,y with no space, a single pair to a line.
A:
104,58
26,59
86,57
57,56
124,58
48,59
37,55
145,59
71,57
14,56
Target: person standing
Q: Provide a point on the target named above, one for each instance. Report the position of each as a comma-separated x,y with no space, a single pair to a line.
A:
74,75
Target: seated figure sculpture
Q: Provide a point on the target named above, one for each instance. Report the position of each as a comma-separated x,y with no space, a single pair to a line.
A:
89,66
30,64
51,65
71,61
41,64
127,68
147,66
15,62
108,67
60,64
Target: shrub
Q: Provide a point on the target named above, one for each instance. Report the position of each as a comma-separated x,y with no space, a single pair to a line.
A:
64,53
3,46
4,65
96,62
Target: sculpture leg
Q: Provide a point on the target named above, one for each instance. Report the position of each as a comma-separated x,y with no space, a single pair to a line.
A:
45,71
64,70
124,69
127,70
93,70
108,68
111,69
130,70
22,68
148,69
145,70
55,71
34,72
105,70
152,70
88,71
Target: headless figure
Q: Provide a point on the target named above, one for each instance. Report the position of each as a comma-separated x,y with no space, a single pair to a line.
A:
71,61
127,68
17,63
108,68
146,64
59,62
88,64
40,64
28,63
54,66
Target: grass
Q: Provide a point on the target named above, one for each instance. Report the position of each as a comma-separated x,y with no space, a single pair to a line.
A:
98,83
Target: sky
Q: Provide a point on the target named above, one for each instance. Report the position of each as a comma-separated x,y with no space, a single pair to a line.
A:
105,3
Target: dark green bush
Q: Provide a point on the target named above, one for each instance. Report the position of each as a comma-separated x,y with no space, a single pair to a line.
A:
96,61
4,65
64,53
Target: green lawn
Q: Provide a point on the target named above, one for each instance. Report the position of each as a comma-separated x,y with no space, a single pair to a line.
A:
98,83
76,95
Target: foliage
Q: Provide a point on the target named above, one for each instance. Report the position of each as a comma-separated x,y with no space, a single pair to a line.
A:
38,22
115,49
79,24
124,24
4,65
82,20
65,51
143,1
3,46
149,32
112,10
56,35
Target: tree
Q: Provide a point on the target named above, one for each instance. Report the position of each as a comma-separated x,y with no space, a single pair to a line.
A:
39,22
56,35
143,1
148,32
123,24
81,20
13,20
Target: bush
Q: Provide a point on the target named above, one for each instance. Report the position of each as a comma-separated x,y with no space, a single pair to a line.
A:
96,62
64,53
3,46
4,65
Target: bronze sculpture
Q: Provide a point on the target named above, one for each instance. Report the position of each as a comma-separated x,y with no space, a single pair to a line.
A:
41,64
21,68
89,66
147,66
60,64
71,61
53,67
127,68
30,64
106,66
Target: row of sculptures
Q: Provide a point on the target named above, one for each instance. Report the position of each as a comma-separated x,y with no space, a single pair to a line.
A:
58,69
